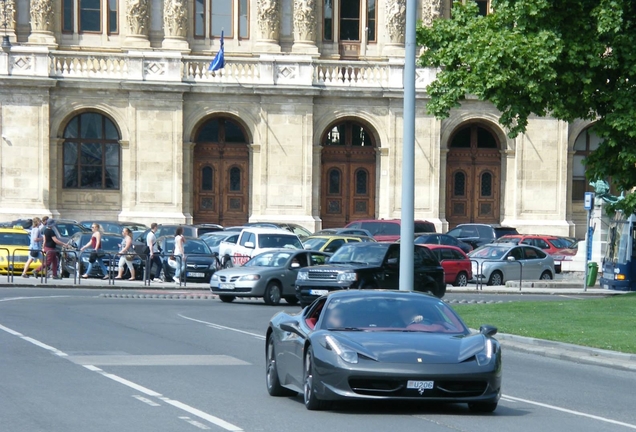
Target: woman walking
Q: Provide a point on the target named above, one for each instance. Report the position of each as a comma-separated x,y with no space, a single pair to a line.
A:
125,252
35,247
179,240
95,243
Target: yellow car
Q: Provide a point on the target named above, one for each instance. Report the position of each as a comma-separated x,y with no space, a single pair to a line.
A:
331,243
14,249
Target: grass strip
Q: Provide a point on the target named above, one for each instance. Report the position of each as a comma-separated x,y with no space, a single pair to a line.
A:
607,323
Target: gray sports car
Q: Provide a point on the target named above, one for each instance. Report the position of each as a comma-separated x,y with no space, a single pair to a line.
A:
359,344
270,275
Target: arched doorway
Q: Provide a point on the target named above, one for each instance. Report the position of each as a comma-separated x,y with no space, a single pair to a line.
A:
221,173
473,175
348,174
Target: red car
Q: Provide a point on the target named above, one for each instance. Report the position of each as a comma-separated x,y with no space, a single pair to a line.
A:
555,246
388,230
456,264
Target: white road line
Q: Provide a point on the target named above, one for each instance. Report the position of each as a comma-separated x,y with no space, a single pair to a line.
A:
195,423
202,415
8,330
92,368
565,410
45,346
131,384
220,327
146,401
29,298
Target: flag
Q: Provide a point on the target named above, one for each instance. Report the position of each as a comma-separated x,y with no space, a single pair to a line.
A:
219,59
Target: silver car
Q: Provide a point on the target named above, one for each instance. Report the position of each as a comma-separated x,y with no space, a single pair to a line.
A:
270,275
496,263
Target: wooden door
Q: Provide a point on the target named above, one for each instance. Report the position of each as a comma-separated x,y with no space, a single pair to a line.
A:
473,177
348,177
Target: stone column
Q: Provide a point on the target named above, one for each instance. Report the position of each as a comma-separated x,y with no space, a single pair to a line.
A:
431,10
7,16
305,27
188,181
395,24
268,16
138,19
42,23
175,25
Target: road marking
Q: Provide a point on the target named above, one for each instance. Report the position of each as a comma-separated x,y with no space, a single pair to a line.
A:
28,298
203,415
220,327
146,401
565,410
195,423
157,360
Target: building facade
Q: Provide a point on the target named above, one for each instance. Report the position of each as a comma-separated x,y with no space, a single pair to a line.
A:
108,110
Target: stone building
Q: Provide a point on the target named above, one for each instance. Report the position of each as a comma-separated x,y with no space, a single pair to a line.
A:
108,111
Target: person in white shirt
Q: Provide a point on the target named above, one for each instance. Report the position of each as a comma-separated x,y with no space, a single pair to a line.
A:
153,247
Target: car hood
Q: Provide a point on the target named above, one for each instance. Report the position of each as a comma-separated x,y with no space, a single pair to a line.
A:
240,271
413,347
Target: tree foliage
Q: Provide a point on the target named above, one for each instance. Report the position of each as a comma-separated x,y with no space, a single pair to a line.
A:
568,59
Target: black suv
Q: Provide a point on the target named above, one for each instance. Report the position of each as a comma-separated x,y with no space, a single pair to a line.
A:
476,234
368,266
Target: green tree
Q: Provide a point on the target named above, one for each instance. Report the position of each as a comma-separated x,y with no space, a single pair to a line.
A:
568,59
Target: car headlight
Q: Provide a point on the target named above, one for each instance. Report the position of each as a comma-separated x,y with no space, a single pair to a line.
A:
214,277
251,277
212,267
347,277
484,356
302,275
347,354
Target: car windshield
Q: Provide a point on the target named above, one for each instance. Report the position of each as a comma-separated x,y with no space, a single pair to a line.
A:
391,313
363,253
314,243
191,246
559,243
489,251
269,259
502,231
14,239
214,240
381,228
111,243
266,241
67,230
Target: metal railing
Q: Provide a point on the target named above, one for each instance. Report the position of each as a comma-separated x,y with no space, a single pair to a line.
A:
480,268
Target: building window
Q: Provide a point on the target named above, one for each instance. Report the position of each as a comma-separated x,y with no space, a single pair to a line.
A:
207,178
235,179
348,133
91,153
334,181
211,17
585,143
89,16
356,20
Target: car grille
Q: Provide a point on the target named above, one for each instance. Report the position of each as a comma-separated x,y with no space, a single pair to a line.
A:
228,279
197,266
322,274
608,275
397,388
19,258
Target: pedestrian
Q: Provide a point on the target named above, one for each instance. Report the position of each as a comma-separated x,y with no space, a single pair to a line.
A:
35,246
155,251
95,243
125,252
179,241
50,244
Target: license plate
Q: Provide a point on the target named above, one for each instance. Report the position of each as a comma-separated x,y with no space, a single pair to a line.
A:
113,268
318,292
426,385
195,274
605,286
226,286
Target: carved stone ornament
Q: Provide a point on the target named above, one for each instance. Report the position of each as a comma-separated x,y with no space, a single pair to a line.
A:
431,10
42,15
137,17
268,13
7,14
304,20
175,18
396,20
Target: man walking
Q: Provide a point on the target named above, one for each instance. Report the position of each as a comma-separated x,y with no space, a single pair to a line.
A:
50,243
153,248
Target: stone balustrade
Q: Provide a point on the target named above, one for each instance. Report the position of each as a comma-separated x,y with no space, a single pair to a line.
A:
158,66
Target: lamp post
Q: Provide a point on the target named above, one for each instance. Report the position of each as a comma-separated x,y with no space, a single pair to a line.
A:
6,43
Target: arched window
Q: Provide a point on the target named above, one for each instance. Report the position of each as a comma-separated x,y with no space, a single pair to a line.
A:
207,178
91,153
235,179
585,143
348,133
221,130
475,137
362,179
93,16
334,181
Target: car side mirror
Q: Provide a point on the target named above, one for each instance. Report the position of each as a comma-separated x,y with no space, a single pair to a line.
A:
295,265
393,262
291,327
511,258
488,330
249,245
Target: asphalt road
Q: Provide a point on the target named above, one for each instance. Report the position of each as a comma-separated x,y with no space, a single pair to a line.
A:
74,361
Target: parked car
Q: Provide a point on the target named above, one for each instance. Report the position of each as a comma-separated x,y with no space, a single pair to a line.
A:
110,247
557,247
388,230
214,239
497,263
360,345
254,240
443,239
65,228
188,230
270,275
331,243
299,230
344,231
197,265
14,251
114,227
476,234
369,266
457,268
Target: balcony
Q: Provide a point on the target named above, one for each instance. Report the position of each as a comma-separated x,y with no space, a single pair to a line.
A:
168,67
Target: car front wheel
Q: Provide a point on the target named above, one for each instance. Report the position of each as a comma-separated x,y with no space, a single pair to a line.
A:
272,293
496,278
312,402
227,298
